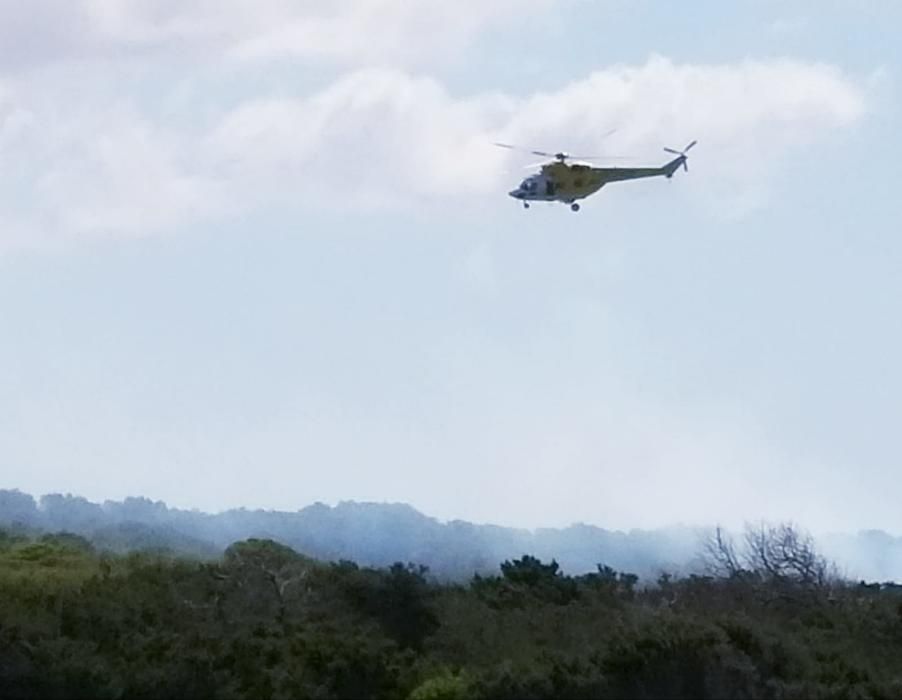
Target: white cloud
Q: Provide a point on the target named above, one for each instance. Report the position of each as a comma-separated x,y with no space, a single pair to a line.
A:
346,31
382,30
130,177
386,133
93,170
95,162
374,132
778,103
39,32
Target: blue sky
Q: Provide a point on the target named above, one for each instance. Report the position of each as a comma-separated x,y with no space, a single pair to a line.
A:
266,257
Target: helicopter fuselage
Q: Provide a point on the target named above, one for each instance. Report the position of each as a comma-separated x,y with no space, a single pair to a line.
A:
560,182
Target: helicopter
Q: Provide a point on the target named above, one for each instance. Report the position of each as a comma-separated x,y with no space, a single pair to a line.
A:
566,182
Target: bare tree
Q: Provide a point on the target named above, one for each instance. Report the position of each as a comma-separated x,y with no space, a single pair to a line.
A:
719,554
784,553
780,553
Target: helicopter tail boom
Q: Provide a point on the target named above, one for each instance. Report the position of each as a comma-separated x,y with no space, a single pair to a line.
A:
674,165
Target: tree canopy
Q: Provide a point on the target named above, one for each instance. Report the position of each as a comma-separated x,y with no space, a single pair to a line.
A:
265,621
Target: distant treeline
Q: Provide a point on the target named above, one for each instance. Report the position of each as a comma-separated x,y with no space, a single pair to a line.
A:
368,533
379,534
262,621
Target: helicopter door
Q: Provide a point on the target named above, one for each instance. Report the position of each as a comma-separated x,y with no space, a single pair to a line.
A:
549,188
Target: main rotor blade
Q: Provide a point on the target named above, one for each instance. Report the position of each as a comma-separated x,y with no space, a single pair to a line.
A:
557,154
604,157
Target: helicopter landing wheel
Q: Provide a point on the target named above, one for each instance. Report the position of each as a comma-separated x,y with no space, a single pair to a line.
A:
526,205
574,207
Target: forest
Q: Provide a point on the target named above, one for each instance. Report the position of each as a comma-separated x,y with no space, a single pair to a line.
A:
771,618
380,534
371,534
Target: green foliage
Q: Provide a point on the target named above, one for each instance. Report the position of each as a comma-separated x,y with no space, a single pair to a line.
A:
267,622
529,571
399,599
446,686
524,580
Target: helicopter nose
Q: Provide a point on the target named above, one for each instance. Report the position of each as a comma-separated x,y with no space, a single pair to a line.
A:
516,194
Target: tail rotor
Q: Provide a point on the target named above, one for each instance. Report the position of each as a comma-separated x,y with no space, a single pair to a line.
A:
682,154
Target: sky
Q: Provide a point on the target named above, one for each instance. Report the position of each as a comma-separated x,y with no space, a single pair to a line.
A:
261,255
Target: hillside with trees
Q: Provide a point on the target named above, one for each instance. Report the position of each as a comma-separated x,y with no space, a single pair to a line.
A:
379,534
770,620
370,534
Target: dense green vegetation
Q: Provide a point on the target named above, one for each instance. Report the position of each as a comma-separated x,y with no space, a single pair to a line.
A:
263,621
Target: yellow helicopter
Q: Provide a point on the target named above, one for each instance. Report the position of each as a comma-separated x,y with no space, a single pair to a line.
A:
560,181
